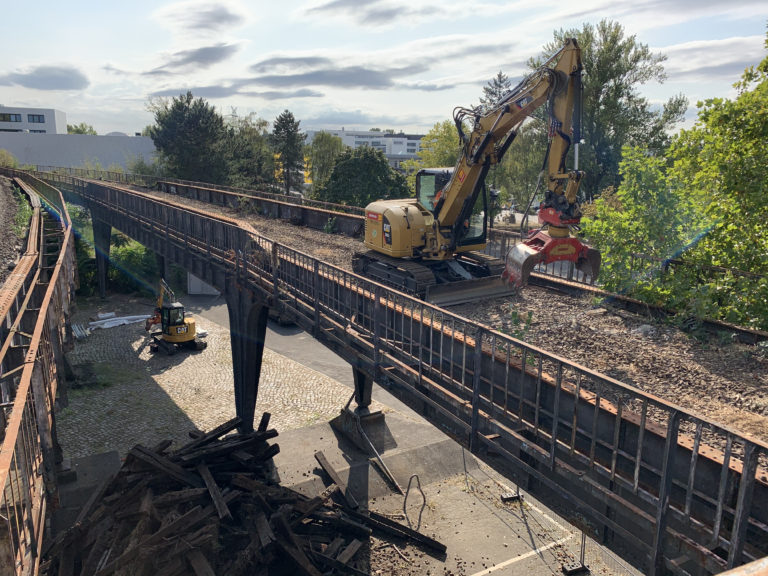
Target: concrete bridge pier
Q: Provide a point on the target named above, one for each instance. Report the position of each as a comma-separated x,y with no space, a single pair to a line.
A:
102,233
247,331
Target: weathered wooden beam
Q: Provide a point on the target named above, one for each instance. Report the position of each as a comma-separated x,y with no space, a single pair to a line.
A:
165,466
346,495
210,436
199,563
213,490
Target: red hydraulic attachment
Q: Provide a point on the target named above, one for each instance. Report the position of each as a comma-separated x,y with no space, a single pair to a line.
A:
543,248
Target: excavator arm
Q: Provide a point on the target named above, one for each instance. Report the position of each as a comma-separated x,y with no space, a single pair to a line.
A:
557,83
162,290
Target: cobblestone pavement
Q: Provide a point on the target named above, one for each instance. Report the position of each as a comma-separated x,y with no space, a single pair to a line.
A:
126,395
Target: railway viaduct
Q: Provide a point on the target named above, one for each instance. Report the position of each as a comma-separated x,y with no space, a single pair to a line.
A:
644,473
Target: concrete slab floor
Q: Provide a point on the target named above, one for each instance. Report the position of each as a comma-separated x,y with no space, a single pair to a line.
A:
459,504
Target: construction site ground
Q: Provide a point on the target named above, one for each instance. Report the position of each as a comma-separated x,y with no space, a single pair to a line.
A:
124,395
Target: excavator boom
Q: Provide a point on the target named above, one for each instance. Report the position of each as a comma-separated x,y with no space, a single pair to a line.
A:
559,213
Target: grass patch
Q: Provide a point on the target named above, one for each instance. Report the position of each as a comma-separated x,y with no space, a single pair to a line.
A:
23,214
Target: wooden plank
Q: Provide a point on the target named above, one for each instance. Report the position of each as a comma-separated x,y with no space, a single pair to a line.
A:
329,562
264,422
165,466
334,547
384,524
95,497
308,507
348,552
178,496
211,436
264,531
346,495
288,542
213,490
226,447
199,563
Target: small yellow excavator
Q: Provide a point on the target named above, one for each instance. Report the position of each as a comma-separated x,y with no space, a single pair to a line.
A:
177,330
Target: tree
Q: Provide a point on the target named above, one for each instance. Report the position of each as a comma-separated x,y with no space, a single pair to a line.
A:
188,133
518,173
7,159
323,152
247,152
702,203
614,112
81,128
721,163
439,147
287,143
361,176
497,87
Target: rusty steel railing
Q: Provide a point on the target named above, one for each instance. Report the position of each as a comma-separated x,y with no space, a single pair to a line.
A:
684,493
34,303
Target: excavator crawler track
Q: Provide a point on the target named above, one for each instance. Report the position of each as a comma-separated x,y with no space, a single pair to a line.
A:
405,275
417,279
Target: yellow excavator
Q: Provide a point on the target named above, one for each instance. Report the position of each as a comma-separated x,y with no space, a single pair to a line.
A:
177,331
431,245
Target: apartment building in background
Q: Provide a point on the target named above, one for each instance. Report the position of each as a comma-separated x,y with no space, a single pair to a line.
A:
32,120
396,147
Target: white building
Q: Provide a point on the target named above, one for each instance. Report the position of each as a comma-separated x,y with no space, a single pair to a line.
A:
32,120
396,147
77,150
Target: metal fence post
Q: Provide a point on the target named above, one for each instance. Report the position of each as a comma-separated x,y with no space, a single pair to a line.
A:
657,560
477,369
316,294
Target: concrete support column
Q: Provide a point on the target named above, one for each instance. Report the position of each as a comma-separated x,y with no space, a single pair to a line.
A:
102,232
363,388
247,332
162,265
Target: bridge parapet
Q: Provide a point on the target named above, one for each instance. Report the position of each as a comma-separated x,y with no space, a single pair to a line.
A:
35,307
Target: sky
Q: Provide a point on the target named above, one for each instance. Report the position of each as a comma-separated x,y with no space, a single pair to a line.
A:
353,64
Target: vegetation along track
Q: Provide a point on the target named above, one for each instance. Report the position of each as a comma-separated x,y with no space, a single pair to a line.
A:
716,377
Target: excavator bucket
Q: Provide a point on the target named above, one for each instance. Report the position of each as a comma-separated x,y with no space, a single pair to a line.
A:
521,260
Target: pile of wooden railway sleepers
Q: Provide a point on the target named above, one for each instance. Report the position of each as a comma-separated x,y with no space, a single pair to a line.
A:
212,507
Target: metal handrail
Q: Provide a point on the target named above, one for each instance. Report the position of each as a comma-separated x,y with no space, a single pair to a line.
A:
27,453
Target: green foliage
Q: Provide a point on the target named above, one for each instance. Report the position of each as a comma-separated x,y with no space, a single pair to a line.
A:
7,159
615,114
23,214
287,143
323,152
515,325
188,134
438,148
81,128
361,176
330,226
518,173
138,165
704,203
497,87
249,159
640,224
132,266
